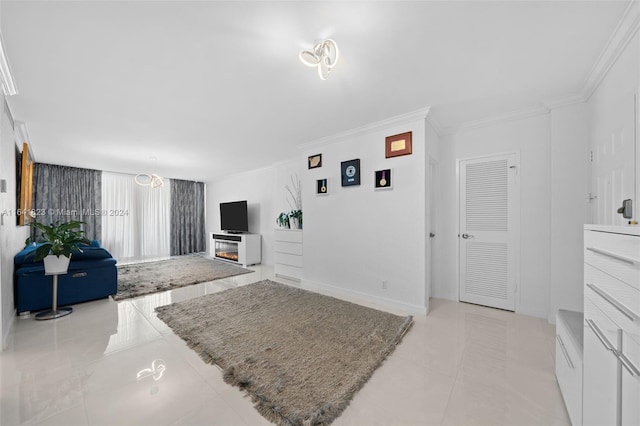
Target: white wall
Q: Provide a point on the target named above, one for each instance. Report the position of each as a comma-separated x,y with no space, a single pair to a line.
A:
12,237
258,188
530,137
356,237
569,206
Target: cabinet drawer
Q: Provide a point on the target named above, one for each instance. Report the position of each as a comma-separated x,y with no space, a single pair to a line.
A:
621,244
616,254
569,372
573,357
288,247
288,271
618,300
288,235
592,311
288,259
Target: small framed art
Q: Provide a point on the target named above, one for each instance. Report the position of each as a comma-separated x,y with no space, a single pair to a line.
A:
398,145
350,171
315,161
382,179
321,187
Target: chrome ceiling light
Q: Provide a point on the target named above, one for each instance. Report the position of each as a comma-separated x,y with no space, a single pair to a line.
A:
324,55
152,180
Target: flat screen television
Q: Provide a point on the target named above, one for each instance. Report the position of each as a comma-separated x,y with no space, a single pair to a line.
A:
234,217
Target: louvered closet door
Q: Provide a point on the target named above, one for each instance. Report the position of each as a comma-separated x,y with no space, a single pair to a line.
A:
489,230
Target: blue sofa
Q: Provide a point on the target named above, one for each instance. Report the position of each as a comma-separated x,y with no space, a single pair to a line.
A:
92,275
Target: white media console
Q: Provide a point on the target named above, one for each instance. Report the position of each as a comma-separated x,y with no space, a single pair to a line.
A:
241,249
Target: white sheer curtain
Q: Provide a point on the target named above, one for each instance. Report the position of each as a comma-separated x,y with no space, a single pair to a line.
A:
136,219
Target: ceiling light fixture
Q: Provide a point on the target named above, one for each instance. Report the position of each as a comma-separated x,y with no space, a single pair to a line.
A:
152,180
8,84
324,55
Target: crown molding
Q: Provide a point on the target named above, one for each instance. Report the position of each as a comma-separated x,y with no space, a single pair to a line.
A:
620,38
420,114
21,136
489,121
564,101
8,83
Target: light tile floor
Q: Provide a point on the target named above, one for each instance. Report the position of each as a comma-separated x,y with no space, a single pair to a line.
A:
460,365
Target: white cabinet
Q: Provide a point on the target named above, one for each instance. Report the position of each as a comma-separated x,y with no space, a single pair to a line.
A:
569,351
611,379
600,372
242,249
288,253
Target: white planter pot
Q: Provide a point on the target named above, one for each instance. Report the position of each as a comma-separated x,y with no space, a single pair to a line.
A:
295,224
56,265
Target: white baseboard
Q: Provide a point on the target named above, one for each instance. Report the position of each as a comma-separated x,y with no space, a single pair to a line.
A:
5,335
363,298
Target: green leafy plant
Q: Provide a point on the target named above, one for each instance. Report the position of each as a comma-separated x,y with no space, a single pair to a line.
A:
283,220
59,239
296,214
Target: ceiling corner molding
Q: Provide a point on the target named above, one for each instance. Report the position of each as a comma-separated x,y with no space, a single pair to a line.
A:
620,38
420,114
21,132
564,101
8,83
435,124
489,121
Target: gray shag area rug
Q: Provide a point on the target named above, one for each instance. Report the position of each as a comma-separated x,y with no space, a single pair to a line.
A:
300,355
138,279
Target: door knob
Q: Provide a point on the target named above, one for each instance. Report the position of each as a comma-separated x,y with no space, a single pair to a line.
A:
466,236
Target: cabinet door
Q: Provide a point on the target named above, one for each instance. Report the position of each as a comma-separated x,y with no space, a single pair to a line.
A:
630,399
631,376
600,371
599,400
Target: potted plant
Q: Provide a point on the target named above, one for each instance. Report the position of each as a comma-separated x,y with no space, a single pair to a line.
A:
57,242
283,220
295,219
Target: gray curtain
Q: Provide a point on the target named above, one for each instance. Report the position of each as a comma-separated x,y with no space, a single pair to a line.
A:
64,194
187,217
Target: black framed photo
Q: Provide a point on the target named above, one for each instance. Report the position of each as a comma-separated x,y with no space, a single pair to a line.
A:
382,179
350,171
322,187
315,161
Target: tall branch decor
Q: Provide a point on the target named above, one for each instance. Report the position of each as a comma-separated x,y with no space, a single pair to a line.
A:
293,219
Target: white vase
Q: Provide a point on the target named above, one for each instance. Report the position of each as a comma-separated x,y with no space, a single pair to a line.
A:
56,265
295,223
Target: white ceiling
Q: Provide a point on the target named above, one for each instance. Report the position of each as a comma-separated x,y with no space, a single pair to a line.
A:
213,88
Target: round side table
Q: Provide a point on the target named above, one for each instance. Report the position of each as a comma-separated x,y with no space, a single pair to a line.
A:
54,312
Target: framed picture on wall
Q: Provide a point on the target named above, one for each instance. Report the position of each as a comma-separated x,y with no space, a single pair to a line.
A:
315,161
382,179
350,171
321,187
398,145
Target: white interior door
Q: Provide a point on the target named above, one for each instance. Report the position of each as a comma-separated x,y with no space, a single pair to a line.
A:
613,162
489,230
430,231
